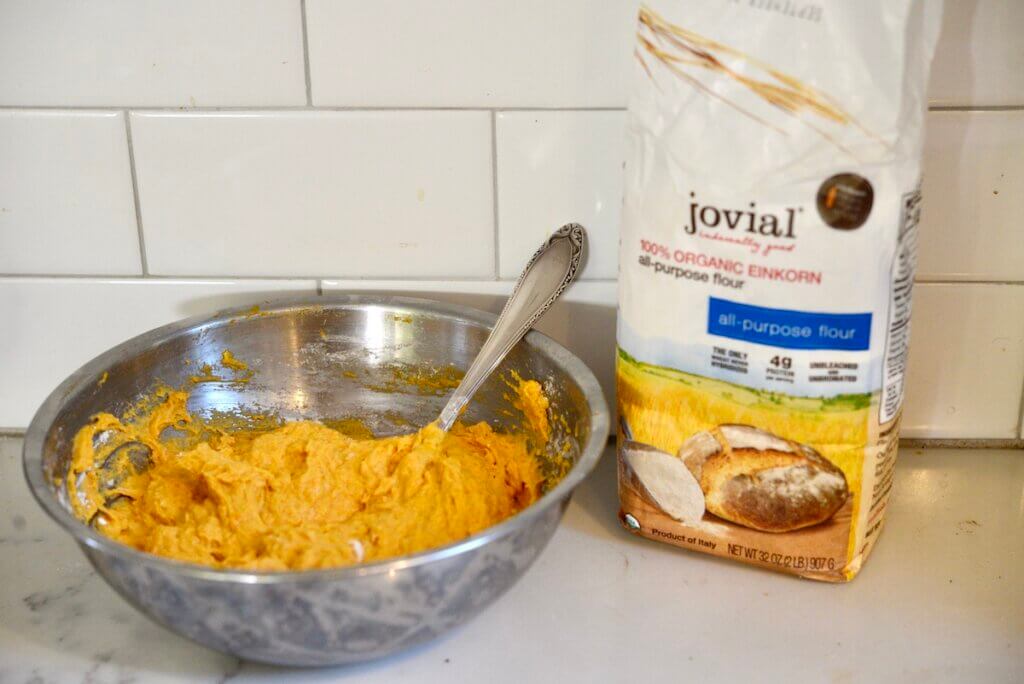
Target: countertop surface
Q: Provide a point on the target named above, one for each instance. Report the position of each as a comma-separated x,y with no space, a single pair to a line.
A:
941,599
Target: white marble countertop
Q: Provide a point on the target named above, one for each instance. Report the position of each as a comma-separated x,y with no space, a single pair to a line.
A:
942,599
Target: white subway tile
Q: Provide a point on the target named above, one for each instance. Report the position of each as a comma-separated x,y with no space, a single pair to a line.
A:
583,319
354,194
66,201
980,55
185,53
966,361
52,326
487,295
973,196
557,167
475,53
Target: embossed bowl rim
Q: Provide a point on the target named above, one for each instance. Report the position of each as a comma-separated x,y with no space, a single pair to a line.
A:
32,452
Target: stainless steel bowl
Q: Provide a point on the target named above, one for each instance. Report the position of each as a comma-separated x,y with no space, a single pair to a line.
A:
301,351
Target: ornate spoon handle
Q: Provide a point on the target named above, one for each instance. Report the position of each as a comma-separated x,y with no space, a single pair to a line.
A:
543,280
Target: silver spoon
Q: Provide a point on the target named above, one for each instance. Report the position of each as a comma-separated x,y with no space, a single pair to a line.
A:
545,277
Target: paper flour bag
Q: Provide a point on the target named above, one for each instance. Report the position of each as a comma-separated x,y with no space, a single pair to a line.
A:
767,258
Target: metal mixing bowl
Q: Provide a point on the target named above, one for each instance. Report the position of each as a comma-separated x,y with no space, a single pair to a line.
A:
305,354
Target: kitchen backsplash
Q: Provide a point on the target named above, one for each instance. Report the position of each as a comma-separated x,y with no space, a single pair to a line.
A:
161,159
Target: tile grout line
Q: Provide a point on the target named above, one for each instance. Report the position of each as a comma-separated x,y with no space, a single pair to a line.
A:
975,108
927,280
213,109
305,54
468,280
396,278
135,193
494,194
1020,415
401,108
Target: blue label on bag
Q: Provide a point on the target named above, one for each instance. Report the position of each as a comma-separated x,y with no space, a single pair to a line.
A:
787,328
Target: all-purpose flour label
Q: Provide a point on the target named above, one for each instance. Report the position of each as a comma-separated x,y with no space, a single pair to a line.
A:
767,258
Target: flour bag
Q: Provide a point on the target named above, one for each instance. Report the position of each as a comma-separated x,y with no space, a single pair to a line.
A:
772,201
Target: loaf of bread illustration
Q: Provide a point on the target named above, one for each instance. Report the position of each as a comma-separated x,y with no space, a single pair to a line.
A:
759,480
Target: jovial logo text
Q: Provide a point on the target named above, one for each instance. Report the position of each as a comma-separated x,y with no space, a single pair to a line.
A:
748,220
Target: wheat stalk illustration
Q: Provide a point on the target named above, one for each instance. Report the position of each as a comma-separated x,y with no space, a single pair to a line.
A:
679,49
